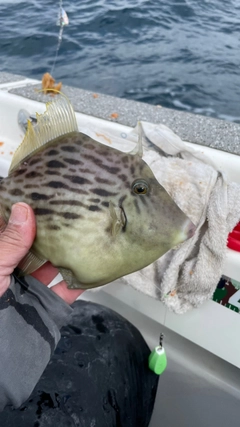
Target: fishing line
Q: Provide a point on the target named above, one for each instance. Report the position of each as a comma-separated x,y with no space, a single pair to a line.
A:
61,21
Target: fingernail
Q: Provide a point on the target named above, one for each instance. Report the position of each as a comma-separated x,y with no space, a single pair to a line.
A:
19,214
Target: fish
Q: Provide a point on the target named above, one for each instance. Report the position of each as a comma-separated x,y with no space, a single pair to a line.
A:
100,212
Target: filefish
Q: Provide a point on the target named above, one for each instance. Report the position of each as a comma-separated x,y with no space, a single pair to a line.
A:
100,213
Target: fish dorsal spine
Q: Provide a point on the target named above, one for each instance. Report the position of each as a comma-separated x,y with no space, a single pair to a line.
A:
138,149
59,119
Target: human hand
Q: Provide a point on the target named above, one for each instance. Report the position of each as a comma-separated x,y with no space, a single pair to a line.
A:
15,241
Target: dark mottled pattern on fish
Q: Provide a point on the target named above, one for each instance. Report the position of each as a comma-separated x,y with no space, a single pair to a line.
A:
69,149
91,218
73,161
16,192
55,164
97,171
77,179
106,204
53,227
68,203
52,153
38,196
35,160
33,174
52,172
94,208
21,171
43,211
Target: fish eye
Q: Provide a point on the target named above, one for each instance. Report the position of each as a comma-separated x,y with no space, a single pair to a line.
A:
140,187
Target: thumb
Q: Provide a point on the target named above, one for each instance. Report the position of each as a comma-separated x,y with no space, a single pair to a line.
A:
15,241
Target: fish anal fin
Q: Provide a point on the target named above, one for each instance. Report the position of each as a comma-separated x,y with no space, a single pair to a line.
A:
30,263
70,279
58,120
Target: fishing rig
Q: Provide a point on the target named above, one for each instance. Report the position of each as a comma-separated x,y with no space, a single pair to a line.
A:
62,21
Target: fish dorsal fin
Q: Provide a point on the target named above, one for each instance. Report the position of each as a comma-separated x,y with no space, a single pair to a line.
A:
58,120
138,149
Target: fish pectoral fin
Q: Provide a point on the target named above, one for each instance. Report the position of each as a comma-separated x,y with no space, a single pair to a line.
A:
58,120
30,263
117,217
69,278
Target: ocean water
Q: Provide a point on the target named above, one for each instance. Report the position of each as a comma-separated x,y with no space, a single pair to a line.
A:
182,54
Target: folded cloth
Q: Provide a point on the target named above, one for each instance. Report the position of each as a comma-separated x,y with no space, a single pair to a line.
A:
187,276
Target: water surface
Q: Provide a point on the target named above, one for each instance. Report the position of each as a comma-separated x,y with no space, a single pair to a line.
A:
180,54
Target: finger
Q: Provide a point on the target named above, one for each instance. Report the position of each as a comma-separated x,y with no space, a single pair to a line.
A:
46,273
15,241
68,295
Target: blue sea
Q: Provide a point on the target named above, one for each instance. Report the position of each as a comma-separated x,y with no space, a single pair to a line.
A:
182,54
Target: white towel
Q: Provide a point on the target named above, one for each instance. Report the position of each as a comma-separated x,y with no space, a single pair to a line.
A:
187,276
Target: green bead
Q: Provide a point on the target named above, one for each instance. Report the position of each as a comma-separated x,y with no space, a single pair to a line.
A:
157,360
